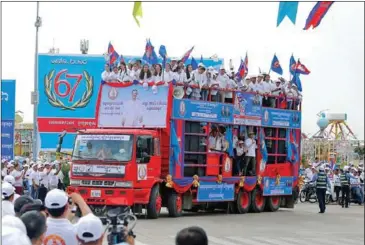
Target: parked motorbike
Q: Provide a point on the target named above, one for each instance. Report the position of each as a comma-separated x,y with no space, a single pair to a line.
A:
308,193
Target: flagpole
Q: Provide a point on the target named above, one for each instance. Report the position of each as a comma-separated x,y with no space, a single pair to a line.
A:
37,25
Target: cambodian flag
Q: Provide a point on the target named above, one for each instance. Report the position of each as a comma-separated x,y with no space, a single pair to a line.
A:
316,15
275,65
301,69
241,70
110,48
187,55
113,55
150,55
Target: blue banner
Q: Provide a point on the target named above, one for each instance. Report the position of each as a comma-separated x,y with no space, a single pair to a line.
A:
214,192
280,118
7,99
196,110
284,187
247,109
7,139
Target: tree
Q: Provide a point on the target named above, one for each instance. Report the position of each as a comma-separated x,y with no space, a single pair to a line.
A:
360,150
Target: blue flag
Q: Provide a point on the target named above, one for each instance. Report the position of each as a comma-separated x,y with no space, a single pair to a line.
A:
175,145
263,148
297,82
288,9
162,51
150,55
229,138
275,65
193,63
292,65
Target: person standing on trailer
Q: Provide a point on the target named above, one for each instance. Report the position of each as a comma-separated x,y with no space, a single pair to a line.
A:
250,158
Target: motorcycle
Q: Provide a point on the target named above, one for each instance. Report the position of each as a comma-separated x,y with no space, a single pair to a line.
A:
308,193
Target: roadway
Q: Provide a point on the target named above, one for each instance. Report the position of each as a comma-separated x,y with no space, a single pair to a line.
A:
300,226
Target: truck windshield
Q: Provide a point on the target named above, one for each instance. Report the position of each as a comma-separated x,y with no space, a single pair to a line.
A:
103,147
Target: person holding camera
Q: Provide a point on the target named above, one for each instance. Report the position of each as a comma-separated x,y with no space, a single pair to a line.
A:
60,230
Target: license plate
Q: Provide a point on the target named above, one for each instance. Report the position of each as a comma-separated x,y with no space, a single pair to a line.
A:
95,193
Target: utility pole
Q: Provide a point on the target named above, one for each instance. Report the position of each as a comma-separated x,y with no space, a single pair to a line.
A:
34,96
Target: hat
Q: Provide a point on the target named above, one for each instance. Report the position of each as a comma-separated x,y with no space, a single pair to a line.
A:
251,133
321,168
56,199
240,142
7,189
13,222
89,228
260,75
9,179
25,165
222,67
10,165
21,201
11,235
201,65
41,165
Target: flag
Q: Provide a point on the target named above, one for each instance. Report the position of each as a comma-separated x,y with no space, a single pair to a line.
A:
187,55
292,65
316,15
193,63
175,144
292,146
201,59
275,65
137,11
296,80
162,51
150,55
288,9
113,55
229,139
301,69
242,71
263,149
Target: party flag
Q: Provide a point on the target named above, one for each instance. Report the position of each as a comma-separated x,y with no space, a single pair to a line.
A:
275,65
288,9
194,64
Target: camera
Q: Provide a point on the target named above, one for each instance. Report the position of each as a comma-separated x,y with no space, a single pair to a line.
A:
120,225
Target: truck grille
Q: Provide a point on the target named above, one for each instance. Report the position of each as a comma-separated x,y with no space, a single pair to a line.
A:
100,183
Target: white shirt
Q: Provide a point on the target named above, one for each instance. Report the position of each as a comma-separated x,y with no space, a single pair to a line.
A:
60,231
168,76
179,77
7,208
4,172
157,78
309,173
239,150
251,147
253,87
276,87
223,80
34,176
266,87
124,76
44,178
199,79
114,76
53,179
337,180
133,113
260,87
212,142
18,182
105,75
231,85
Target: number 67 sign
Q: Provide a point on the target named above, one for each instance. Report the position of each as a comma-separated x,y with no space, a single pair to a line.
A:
58,88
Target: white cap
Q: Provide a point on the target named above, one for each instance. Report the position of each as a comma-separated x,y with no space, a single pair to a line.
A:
7,189
321,168
345,168
201,65
10,235
25,165
10,165
47,163
41,165
260,75
9,179
222,67
14,222
89,228
56,199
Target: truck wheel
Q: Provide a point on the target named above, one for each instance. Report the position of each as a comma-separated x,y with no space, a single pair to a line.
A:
257,200
174,205
155,204
273,204
243,202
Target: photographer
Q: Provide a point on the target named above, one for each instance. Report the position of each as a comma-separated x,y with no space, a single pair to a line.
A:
60,229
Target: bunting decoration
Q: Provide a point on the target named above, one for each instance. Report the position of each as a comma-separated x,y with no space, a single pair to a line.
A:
316,15
288,9
137,12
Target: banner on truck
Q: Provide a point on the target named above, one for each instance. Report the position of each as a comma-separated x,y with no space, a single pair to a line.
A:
132,106
7,118
280,118
247,109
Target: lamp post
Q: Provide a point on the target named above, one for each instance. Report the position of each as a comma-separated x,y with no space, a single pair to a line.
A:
37,24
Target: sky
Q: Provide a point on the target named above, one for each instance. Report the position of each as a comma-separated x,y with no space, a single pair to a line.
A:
334,52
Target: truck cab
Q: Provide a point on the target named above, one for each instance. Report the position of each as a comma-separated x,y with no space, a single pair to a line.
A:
113,167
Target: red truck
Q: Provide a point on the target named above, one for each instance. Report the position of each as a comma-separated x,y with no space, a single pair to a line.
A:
154,147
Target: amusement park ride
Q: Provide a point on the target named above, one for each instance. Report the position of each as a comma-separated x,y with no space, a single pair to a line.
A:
333,142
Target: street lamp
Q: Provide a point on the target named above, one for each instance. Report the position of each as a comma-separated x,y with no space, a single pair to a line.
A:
84,46
34,96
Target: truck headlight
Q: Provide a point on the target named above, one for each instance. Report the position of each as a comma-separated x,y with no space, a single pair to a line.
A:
75,182
125,184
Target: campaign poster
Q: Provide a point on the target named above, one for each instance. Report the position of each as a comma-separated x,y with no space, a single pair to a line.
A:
280,118
214,192
133,106
247,109
272,188
204,111
7,118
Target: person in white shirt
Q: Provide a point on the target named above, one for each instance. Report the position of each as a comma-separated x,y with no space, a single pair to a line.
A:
43,181
213,138
316,164
179,75
267,87
198,81
250,158
157,76
7,206
337,183
167,75
105,76
145,75
188,74
253,86
18,176
11,180
34,179
53,175
214,86
133,111
229,95
59,229
4,170
223,80
134,73
36,226
114,75
240,154
11,235
123,73
291,94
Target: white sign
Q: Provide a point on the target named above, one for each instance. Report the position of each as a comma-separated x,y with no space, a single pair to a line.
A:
132,106
85,137
98,169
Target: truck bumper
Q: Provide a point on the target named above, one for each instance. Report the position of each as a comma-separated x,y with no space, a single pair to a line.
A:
105,196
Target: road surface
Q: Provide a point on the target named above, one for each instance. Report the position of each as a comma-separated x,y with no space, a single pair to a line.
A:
300,226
